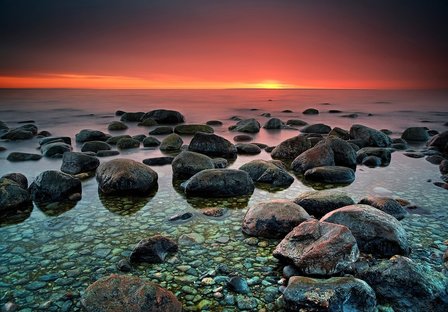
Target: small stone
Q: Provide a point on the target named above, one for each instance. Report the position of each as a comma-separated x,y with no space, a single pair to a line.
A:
239,285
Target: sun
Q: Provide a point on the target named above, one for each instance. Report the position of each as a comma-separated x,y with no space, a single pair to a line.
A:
271,84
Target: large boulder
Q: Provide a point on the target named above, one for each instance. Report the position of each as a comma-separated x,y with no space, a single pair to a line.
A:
164,116
440,141
330,174
74,163
419,134
318,248
375,231
369,137
337,294
212,145
319,203
153,249
54,186
219,183
187,164
130,294
383,154
408,286
273,219
13,195
317,156
86,135
291,148
316,128
386,204
55,149
263,171
125,176
247,125
192,129
344,154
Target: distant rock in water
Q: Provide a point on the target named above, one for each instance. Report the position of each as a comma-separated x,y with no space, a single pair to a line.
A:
192,129
212,145
55,149
214,123
116,126
75,163
310,111
91,135
163,116
161,130
419,134
316,128
330,174
132,116
54,186
369,137
171,143
20,156
95,146
187,164
296,122
274,123
242,138
246,125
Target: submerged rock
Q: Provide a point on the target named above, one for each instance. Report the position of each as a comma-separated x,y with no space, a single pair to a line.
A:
330,174
153,249
291,148
116,126
242,138
316,128
318,248
386,204
74,163
187,164
91,135
20,156
319,203
192,129
239,285
164,116
171,143
247,125
263,171
95,146
212,145
13,194
54,186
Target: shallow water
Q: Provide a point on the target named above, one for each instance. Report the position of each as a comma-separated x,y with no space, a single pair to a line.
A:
48,258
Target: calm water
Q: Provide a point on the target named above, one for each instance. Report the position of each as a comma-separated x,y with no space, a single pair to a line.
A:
48,259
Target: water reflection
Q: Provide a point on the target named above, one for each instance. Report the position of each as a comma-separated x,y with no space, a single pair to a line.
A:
16,216
56,208
125,205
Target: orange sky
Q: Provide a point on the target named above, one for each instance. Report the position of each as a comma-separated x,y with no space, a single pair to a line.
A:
223,44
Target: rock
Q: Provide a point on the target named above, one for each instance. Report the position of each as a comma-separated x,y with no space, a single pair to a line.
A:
219,183
212,145
339,133
19,156
127,143
95,146
440,141
116,126
3,126
161,130
383,154
86,135
148,122
130,294
242,138
153,249
173,142
151,142
192,129
330,174
435,159
296,122
163,116
273,219
18,178
13,194
371,161
267,172
18,134
239,285
220,163
114,140
75,163
375,231
386,204
334,294
181,216
52,139
369,137
317,156
139,137
319,203
119,113
213,212
291,148
443,167
310,111
158,161
247,149
56,149
419,134
316,128
214,123
54,186
344,154
125,176
287,111
353,115
107,153
187,164
318,248
132,116
399,144
2,148
124,266
247,125
392,279
274,123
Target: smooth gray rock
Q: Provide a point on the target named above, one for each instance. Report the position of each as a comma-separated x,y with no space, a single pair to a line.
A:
187,164
319,203
247,125
75,163
330,174
172,142
86,135
20,156
54,186
212,145
268,172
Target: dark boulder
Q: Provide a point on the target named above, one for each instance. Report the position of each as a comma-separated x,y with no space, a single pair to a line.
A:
12,195
386,204
274,123
128,143
192,129
291,148
440,141
212,145
54,186
319,203
330,174
116,126
20,156
317,156
18,178
296,122
158,161
132,116
443,166
52,139
172,142
419,134
74,163
383,154
151,142
161,130
95,146
316,128
164,116
242,138
220,163
247,125
247,149
339,133
148,122
263,171
371,161
187,164
369,136
55,150
86,135
214,123
153,249
310,111
114,140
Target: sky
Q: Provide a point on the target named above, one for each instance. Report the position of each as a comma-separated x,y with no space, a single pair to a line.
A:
376,44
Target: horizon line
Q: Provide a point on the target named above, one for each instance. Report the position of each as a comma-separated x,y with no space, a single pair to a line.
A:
270,89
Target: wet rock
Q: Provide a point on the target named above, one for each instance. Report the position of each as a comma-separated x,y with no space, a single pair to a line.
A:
153,249
291,148
296,122
239,285
310,111
242,138
172,142
414,154
219,183
317,156
443,167
383,154
128,143
435,159
440,141
187,164
86,135
399,144
247,149
52,139
18,178
158,161
192,129
107,153
319,203
20,156
419,134
119,113
3,126
316,128
369,136
20,133
181,216
95,146
128,293
339,133
353,115
212,145
268,172
246,125
213,212
13,194
161,130
148,122
214,123
116,126
54,186
2,148
333,294
114,140
274,123
330,174
392,279
139,137
386,204
163,116
74,163
55,150
125,176
273,219
220,163
132,116
371,161
375,231
124,266
319,248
